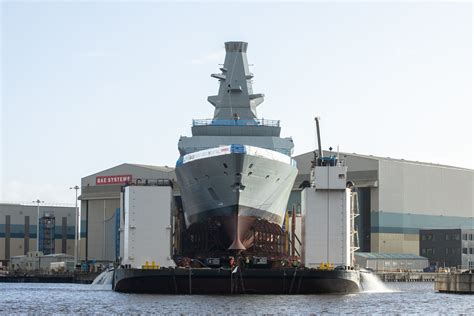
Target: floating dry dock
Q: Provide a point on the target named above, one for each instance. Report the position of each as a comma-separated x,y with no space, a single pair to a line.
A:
462,283
237,281
235,174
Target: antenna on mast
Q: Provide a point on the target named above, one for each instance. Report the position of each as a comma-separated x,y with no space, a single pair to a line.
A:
318,135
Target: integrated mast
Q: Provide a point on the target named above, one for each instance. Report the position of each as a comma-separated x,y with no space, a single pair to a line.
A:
235,99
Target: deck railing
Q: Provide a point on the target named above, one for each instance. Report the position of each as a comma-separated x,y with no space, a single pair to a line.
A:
284,151
236,122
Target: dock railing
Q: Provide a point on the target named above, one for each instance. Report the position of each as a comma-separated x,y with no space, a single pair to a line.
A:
407,276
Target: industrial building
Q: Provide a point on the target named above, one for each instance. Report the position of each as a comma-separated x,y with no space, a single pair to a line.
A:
34,261
390,262
448,247
19,230
100,206
396,199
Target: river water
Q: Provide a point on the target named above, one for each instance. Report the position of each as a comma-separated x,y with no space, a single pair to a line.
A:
404,298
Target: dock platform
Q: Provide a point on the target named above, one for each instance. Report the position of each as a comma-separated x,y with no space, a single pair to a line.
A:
407,276
236,281
461,283
81,278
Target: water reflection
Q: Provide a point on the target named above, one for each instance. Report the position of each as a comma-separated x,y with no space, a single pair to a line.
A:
87,299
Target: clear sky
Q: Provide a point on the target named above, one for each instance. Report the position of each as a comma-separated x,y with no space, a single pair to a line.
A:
90,85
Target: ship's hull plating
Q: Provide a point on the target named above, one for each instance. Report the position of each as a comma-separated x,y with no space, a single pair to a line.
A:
248,281
259,186
235,189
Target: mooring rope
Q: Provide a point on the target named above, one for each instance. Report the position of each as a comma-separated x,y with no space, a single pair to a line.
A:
174,282
299,283
190,282
293,281
241,280
231,283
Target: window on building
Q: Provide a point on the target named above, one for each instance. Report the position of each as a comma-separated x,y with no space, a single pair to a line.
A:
427,237
457,251
464,251
423,251
470,236
464,236
447,251
471,251
453,236
430,251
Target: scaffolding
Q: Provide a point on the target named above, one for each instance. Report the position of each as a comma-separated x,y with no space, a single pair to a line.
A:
211,238
353,227
46,234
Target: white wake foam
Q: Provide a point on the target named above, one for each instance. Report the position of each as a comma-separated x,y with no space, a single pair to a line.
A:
105,278
370,283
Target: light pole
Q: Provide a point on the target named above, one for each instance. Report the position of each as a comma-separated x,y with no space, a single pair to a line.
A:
76,229
38,202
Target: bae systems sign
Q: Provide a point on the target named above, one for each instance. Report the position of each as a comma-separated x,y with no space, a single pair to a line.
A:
121,179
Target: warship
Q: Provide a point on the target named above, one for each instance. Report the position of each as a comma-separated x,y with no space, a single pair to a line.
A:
235,169
235,174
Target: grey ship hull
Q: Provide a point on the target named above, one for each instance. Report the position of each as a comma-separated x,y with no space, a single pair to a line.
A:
243,186
235,189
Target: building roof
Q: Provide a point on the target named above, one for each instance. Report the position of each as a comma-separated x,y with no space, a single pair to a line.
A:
391,256
342,154
158,168
401,160
58,255
20,206
91,190
53,255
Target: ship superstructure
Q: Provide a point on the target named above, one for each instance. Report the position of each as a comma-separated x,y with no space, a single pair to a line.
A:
235,172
